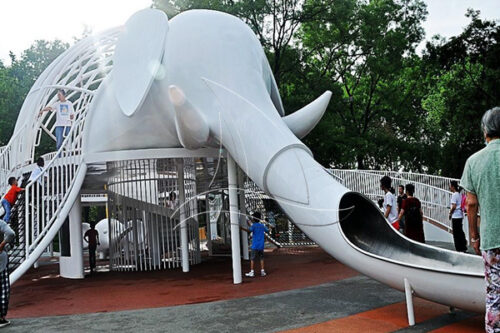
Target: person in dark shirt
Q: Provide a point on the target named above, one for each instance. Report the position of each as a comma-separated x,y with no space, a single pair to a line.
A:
412,212
401,197
258,231
92,238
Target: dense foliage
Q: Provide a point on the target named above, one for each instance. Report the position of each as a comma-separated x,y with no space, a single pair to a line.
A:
392,108
17,79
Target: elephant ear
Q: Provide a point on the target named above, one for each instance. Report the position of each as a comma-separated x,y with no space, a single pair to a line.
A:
137,58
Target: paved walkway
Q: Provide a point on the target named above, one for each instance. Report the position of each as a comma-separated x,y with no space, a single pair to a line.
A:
344,305
42,292
306,291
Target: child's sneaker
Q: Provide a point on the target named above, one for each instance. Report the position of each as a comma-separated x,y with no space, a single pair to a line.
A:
262,272
250,274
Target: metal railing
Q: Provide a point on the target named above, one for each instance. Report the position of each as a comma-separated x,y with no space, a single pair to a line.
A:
431,180
46,195
148,217
10,161
80,70
435,200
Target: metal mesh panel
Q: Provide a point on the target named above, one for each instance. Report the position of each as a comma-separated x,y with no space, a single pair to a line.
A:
283,232
146,215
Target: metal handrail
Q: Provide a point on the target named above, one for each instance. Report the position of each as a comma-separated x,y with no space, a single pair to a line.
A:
410,176
434,200
62,188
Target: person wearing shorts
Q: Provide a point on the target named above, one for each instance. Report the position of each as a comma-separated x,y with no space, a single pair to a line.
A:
258,231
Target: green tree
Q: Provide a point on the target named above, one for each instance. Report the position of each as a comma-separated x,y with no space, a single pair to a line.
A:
360,48
462,83
275,22
8,100
17,79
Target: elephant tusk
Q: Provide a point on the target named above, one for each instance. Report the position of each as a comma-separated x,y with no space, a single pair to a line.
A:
191,125
302,122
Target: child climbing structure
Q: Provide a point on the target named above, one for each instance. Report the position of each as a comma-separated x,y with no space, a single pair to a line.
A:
150,115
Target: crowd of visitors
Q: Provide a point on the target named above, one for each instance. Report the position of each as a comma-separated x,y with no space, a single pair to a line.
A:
480,181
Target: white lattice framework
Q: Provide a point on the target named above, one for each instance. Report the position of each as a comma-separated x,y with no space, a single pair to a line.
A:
80,71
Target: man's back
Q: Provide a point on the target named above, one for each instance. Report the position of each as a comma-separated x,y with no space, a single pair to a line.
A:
482,178
92,235
258,231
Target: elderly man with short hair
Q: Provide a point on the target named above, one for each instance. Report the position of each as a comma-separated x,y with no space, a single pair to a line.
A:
481,180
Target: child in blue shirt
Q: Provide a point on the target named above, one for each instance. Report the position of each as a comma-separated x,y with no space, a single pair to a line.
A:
258,231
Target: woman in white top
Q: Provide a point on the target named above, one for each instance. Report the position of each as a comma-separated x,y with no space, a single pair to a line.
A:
456,216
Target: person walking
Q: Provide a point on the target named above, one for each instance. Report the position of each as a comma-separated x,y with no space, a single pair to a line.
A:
258,231
413,215
481,181
92,238
8,236
456,216
65,114
390,204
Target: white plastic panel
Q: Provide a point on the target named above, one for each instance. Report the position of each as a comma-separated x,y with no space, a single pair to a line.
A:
137,58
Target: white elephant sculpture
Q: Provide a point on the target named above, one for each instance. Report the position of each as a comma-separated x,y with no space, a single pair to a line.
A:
203,80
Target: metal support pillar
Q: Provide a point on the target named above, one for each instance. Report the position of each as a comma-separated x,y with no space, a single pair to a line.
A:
233,216
71,265
243,213
182,217
409,303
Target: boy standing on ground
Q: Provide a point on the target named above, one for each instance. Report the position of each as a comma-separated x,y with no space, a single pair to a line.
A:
10,198
92,238
8,236
258,231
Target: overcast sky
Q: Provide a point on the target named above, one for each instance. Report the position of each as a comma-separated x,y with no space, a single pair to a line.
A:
22,22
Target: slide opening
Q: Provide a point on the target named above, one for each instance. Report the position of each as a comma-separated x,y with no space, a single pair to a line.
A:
365,226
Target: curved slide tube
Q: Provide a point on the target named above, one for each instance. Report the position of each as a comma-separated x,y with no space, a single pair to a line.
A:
351,228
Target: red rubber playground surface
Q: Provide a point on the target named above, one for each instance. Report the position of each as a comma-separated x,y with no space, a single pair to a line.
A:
41,292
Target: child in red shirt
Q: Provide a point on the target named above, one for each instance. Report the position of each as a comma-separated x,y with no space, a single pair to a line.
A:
10,198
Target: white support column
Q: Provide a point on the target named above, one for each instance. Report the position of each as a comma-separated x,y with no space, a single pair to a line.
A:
182,217
243,213
233,216
72,267
409,303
